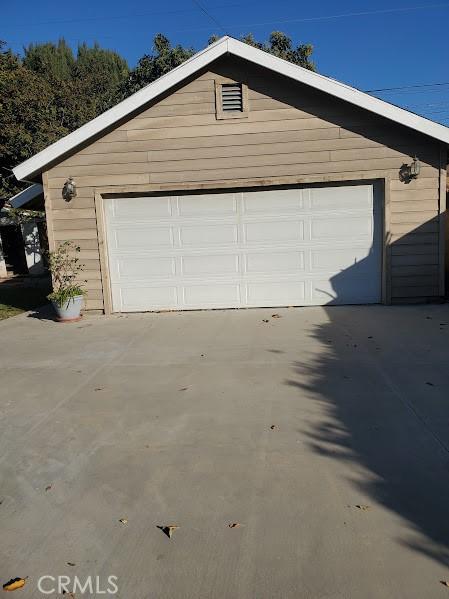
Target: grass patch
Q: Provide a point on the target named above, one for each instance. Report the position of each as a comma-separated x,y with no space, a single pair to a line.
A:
21,295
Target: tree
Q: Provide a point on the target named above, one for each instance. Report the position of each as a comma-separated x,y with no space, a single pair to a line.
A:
152,66
85,85
48,94
28,117
97,77
51,61
280,45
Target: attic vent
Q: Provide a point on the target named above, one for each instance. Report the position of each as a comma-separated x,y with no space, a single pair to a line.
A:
231,97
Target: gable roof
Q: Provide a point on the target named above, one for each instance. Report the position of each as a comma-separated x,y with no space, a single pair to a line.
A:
226,45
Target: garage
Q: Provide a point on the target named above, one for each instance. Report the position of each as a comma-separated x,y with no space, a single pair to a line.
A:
239,249
240,180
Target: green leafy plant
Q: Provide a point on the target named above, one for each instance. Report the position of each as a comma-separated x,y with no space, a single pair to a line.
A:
65,269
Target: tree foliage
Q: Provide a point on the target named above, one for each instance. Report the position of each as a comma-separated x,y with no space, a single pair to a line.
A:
48,94
163,59
51,91
29,118
280,45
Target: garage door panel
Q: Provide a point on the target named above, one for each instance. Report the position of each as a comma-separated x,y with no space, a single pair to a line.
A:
276,293
274,262
342,227
135,299
337,259
207,205
129,238
209,264
136,268
276,247
208,234
344,288
339,199
256,202
147,208
273,231
216,295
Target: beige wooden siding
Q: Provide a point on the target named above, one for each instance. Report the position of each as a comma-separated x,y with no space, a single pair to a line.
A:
291,132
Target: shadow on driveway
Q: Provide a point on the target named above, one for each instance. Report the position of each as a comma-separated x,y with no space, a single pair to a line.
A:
386,400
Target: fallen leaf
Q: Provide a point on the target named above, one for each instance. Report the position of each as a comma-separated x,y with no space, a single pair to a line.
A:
362,507
273,427
234,525
48,487
445,582
169,529
184,389
123,521
99,389
14,584
265,320
276,316
71,564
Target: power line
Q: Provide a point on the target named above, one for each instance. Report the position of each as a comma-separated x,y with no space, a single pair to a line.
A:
213,19
353,14
129,16
325,18
234,5
416,86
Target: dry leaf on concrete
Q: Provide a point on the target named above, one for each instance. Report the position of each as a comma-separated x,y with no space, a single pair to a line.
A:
71,564
234,525
168,529
276,316
362,507
445,582
265,320
273,427
123,521
14,584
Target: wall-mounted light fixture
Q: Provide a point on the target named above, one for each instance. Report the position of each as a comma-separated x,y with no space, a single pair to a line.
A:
69,190
411,171
415,168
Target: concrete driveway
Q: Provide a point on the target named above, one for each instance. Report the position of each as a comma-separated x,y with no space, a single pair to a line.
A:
324,433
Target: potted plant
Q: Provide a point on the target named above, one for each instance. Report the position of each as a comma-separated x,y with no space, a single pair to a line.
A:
68,294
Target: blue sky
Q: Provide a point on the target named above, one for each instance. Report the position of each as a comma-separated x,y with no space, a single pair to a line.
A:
389,43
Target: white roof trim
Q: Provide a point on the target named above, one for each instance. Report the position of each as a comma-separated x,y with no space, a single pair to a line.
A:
27,195
200,60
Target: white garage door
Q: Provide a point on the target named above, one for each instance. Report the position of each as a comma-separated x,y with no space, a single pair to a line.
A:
278,247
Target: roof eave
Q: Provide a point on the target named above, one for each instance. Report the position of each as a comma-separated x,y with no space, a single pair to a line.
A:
26,196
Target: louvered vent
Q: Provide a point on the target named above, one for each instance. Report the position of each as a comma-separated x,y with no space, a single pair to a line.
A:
231,97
